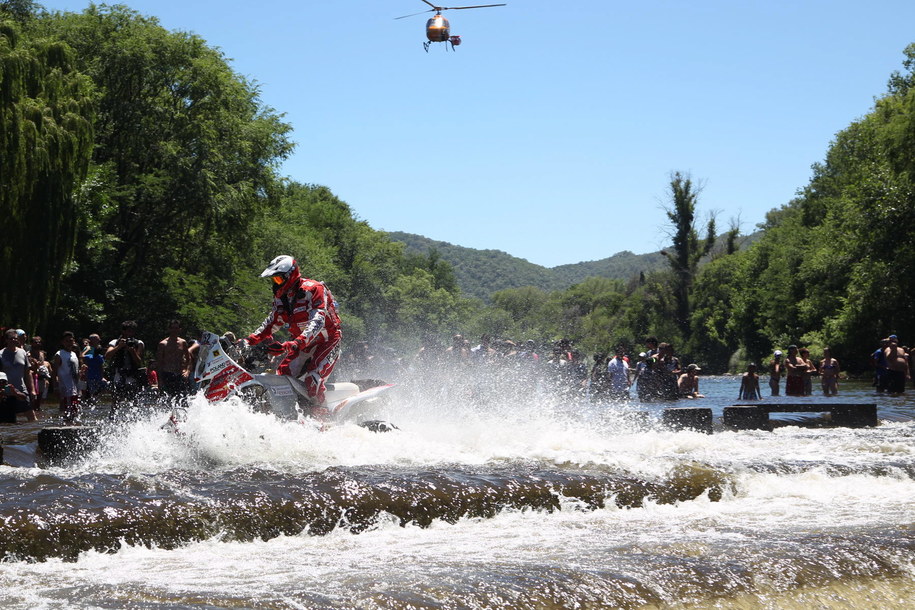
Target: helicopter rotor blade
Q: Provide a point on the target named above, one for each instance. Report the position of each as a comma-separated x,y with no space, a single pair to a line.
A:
446,8
414,14
455,8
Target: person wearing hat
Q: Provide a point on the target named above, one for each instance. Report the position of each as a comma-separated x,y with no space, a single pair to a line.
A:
11,401
688,383
897,366
775,372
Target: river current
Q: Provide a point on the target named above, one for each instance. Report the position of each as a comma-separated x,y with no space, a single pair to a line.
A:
484,497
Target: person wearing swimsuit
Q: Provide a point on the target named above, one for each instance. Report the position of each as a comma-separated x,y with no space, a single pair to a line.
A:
775,372
829,373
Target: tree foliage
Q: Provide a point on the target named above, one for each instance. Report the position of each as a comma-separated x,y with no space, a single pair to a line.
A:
185,156
46,137
687,249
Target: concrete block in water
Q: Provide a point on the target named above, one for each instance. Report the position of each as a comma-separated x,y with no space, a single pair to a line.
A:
747,418
853,415
64,443
688,418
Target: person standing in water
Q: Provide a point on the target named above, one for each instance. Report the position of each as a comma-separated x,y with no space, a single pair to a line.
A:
775,372
796,368
173,363
829,373
67,364
897,366
749,384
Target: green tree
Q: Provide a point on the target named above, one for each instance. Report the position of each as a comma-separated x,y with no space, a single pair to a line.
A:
46,138
189,156
19,10
687,249
442,272
420,308
714,303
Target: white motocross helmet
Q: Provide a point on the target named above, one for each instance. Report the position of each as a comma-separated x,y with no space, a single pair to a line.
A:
284,271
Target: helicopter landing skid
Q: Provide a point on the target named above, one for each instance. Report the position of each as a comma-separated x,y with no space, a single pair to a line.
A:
428,44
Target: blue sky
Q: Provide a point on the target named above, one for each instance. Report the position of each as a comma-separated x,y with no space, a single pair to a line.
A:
552,131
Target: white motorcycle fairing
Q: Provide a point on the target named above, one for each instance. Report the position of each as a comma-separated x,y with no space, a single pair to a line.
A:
284,396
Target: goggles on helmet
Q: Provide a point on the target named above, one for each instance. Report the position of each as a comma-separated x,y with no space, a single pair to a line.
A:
278,279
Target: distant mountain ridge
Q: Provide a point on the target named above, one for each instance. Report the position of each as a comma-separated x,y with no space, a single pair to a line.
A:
480,273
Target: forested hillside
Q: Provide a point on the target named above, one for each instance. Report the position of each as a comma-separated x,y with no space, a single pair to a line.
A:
480,273
140,180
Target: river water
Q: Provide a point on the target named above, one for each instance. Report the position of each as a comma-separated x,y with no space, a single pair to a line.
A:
484,498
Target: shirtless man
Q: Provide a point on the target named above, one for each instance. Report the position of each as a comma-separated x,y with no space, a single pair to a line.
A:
812,370
897,366
173,362
796,368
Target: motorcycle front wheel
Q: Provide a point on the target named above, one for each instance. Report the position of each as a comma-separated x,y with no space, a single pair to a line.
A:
256,397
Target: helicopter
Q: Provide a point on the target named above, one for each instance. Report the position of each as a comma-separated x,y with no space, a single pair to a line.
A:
437,27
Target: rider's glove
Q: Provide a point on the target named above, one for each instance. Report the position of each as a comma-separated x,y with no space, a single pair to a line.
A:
252,339
291,346
276,348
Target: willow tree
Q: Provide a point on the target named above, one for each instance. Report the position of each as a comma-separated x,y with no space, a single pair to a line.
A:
46,140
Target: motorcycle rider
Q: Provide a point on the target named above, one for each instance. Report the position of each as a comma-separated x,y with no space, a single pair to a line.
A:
308,311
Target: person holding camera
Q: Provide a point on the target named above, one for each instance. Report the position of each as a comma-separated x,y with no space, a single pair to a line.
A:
125,354
11,400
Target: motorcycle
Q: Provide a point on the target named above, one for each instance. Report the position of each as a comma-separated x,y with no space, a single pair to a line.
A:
220,376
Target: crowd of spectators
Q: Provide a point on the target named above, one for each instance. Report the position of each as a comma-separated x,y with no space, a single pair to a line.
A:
79,371
654,374
892,364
